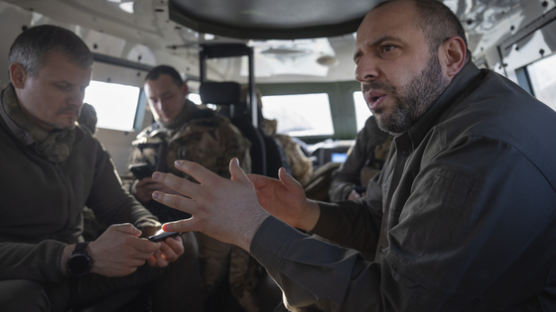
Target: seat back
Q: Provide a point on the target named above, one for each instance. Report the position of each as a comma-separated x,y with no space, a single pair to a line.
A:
228,94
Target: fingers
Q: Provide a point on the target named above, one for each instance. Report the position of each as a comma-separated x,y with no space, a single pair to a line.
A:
126,228
170,250
287,179
176,201
236,173
144,247
181,185
188,225
198,172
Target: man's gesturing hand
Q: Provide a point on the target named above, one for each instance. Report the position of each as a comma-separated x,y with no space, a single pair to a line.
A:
285,199
224,209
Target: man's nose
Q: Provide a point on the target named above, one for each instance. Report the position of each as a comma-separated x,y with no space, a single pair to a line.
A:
366,69
76,98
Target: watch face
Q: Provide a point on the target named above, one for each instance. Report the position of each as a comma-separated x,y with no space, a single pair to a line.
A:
79,264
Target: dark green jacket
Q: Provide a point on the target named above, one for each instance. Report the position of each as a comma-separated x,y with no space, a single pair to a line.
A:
462,216
42,201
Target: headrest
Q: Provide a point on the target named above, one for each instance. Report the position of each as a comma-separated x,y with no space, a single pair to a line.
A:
220,93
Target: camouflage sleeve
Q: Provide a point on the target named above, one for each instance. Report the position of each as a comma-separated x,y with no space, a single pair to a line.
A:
236,145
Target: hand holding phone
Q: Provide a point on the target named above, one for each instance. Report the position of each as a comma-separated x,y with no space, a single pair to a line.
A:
161,235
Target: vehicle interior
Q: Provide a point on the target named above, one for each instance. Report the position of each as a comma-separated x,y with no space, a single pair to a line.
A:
293,60
301,61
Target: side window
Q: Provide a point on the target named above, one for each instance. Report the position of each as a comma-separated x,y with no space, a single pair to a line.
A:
195,98
115,104
362,111
543,80
300,114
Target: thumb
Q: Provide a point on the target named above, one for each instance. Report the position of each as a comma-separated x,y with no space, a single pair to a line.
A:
236,173
181,226
127,228
287,179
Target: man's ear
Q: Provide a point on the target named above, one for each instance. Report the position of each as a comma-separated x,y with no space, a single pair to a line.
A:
452,55
18,75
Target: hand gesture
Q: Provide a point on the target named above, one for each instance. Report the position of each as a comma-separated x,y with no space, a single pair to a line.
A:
285,199
224,209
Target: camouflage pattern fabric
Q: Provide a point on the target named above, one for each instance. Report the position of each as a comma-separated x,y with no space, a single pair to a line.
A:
300,165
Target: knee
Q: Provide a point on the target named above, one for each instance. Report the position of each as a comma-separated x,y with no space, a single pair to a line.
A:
23,295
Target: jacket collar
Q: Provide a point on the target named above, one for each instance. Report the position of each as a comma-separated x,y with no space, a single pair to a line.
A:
54,145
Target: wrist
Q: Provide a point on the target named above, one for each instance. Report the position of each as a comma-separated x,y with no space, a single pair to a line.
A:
91,250
246,236
79,262
66,252
311,217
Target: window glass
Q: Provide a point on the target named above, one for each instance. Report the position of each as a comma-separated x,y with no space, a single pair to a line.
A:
195,98
362,111
300,114
115,104
543,79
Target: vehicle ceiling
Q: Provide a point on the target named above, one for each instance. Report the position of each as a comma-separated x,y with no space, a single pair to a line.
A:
170,31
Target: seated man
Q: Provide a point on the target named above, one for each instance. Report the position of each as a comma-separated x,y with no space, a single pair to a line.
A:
184,131
51,169
364,161
463,214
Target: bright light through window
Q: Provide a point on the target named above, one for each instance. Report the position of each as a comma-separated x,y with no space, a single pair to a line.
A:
543,78
195,98
300,114
362,111
116,104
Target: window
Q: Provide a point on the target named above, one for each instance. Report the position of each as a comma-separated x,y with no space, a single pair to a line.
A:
195,98
543,79
116,104
362,111
300,114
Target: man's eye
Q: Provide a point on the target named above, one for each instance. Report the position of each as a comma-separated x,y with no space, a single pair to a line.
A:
63,86
387,48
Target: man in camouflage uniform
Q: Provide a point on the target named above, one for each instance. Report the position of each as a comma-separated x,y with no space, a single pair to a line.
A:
365,159
184,131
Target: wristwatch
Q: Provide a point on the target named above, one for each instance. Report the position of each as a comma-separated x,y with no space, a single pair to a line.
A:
79,262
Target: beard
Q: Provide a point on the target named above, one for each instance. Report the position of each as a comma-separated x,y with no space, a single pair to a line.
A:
413,99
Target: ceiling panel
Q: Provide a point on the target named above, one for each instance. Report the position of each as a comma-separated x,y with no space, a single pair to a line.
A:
271,19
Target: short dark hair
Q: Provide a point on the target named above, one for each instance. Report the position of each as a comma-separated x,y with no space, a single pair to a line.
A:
437,22
167,70
32,45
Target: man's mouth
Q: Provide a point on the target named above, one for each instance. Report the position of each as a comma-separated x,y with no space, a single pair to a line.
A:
375,99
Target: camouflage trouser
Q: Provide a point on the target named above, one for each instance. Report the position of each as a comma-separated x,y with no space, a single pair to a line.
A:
220,260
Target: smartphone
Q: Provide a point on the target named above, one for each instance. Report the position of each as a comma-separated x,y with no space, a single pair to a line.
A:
142,170
162,236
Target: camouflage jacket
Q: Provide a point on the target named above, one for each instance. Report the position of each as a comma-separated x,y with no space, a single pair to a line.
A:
204,137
